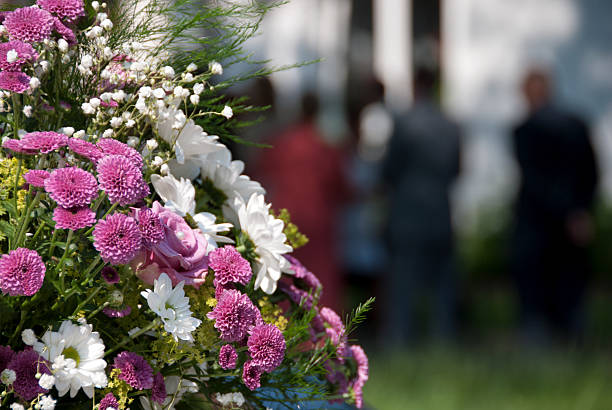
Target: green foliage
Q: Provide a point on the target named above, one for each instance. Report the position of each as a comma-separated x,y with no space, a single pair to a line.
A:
294,237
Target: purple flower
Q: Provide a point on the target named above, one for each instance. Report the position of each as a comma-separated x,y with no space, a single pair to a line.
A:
158,392
251,375
229,266
43,141
29,24
73,218
85,149
227,357
234,315
25,53
150,226
113,147
108,401
25,365
110,275
181,255
64,31
120,179
302,273
267,346
116,313
117,238
14,81
67,10
6,355
71,187
297,295
22,272
36,177
135,370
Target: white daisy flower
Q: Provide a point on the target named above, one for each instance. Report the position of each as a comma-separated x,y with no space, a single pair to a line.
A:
177,194
227,176
189,140
172,306
76,355
266,232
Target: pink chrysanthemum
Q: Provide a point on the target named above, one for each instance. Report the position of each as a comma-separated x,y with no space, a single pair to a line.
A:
110,275
6,355
302,273
220,289
14,81
267,346
150,226
36,177
66,33
109,401
228,357
229,266
67,10
234,315
362,374
116,313
251,375
22,272
25,365
25,54
113,147
15,146
135,370
85,149
158,392
120,179
29,24
117,238
335,328
73,218
71,187
43,141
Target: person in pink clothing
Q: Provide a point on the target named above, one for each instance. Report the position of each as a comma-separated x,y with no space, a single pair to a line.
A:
305,175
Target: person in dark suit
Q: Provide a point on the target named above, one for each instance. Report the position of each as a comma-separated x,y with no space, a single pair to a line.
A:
421,165
553,213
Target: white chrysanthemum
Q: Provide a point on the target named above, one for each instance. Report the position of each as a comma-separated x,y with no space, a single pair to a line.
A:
189,140
266,232
172,306
76,355
226,175
179,196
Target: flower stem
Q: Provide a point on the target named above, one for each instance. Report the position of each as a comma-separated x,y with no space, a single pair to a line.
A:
134,336
26,218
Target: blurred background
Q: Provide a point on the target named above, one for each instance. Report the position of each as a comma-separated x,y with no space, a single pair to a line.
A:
453,159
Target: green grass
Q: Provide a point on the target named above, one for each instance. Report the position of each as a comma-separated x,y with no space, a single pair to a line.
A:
435,379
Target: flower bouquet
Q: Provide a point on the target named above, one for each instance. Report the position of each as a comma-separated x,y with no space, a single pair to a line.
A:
140,267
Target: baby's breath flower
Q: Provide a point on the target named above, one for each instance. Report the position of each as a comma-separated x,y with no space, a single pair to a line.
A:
34,82
227,112
27,111
107,133
215,68
198,88
62,45
116,122
191,67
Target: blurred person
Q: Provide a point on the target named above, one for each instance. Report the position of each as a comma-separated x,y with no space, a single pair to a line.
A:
306,175
420,167
553,214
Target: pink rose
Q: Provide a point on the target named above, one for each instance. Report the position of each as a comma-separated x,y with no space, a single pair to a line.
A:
181,255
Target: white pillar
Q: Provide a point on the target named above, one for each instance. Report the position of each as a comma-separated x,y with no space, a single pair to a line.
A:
393,50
